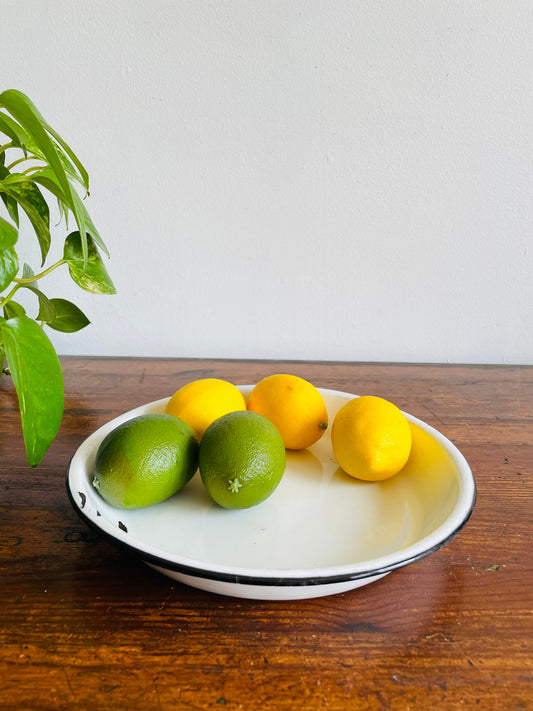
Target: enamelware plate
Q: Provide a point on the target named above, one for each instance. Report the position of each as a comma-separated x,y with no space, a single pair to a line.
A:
321,532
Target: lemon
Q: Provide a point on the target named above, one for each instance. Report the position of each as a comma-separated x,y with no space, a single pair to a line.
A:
242,459
201,402
294,406
145,460
371,438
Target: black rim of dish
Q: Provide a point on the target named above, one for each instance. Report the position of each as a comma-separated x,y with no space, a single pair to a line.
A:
265,580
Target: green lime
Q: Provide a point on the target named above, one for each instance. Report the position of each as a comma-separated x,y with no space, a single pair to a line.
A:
145,460
242,459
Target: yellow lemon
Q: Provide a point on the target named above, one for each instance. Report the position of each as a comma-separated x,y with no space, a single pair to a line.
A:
201,402
294,406
371,438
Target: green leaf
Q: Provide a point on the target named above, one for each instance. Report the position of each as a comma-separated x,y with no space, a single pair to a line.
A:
47,311
91,229
8,234
12,309
10,204
69,318
25,112
14,130
12,208
69,169
83,175
27,272
31,200
91,275
9,265
47,179
38,380
63,212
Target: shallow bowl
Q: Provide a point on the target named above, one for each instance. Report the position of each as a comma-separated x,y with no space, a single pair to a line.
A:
321,532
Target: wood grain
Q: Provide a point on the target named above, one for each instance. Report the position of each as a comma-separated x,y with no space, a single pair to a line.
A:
84,625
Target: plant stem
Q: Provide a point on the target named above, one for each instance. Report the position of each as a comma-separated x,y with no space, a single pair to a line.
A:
14,178
16,162
10,295
29,280
36,277
33,168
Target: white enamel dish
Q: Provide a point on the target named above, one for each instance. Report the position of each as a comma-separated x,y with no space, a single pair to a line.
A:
320,533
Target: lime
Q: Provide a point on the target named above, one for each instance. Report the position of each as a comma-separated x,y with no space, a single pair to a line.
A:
242,459
145,460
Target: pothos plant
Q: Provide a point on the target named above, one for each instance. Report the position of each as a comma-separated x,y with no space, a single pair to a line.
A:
37,165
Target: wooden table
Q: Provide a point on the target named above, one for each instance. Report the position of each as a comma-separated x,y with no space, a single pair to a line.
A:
86,626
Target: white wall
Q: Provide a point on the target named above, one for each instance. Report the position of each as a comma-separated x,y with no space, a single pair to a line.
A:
280,178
